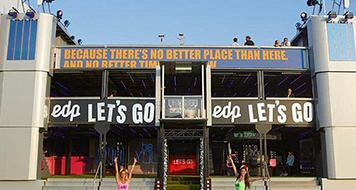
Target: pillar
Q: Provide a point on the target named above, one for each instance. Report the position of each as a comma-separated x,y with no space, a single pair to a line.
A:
333,64
25,64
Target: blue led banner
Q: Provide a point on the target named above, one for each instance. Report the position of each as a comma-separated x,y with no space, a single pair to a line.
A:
217,57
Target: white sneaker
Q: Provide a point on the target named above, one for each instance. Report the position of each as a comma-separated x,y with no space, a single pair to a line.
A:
282,174
285,174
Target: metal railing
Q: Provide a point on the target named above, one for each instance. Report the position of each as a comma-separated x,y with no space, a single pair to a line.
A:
99,168
268,183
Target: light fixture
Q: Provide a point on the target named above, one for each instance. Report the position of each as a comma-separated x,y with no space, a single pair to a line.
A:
59,14
304,16
183,67
312,2
66,23
298,26
332,15
161,36
30,13
72,37
80,41
348,15
13,13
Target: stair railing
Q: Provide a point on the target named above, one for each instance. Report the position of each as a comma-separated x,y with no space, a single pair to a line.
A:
268,187
99,168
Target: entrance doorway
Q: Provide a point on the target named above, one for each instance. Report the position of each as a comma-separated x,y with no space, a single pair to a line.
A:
183,157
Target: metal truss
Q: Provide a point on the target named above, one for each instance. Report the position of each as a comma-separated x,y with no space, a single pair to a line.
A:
184,134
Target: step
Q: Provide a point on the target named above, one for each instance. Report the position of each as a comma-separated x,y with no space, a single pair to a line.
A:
183,187
72,182
91,179
278,183
67,188
135,182
131,188
273,183
184,182
183,179
301,179
132,179
272,188
87,183
70,179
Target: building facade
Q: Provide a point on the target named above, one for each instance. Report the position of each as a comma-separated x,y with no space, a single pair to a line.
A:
176,109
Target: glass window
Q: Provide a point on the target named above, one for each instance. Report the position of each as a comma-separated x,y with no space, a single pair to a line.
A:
173,107
278,84
18,42
33,39
10,50
192,107
183,78
25,40
85,83
132,83
351,41
241,84
332,45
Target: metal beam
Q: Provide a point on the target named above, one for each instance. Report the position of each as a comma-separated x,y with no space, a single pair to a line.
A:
104,84
208,95
158,95
184,134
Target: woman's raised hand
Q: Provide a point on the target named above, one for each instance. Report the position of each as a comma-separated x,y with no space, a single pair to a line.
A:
230,158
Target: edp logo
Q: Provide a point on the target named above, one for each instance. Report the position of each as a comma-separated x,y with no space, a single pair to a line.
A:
66,111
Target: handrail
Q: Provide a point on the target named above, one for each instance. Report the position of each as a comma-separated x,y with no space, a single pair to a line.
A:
268,176
96,174
179,96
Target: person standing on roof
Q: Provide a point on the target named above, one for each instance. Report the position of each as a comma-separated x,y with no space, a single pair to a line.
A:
285,42
249,42
235,43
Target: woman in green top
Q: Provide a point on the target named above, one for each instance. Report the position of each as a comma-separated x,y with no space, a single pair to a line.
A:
243,180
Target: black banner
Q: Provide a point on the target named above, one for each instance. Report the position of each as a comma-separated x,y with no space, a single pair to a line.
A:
113,111
298,112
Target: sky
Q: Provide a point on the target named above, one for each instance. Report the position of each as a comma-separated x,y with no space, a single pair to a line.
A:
203,22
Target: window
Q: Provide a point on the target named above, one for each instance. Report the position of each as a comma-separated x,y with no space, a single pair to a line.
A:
341,41
277,84
22,40
132,83
81,83
240,84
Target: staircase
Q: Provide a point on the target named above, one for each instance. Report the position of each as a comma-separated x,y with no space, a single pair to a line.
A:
69,184
277,183
135,184
87,184
183,182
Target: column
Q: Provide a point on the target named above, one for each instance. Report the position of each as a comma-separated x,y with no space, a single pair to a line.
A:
333,67
25,69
